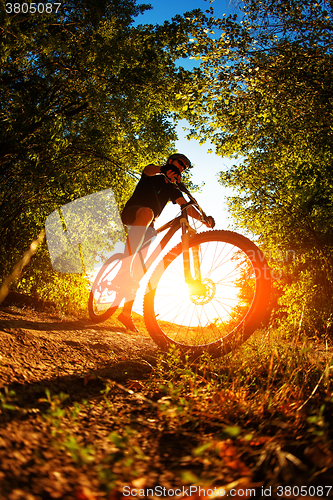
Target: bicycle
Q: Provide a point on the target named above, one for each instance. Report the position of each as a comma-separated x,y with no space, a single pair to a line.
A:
208,294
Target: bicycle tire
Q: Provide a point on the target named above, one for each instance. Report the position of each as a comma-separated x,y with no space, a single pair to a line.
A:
222,335
103,300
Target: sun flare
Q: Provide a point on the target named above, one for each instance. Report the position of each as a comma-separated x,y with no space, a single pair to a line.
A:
211,303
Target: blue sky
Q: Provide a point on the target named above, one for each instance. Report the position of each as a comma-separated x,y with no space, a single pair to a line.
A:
207,166
212,197
165,10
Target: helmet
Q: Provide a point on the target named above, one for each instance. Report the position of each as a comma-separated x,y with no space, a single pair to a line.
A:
180,157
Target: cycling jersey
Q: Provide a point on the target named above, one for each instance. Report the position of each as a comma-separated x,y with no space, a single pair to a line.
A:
153,192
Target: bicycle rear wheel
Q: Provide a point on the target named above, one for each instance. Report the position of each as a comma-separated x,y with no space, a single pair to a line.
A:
223,312
103,299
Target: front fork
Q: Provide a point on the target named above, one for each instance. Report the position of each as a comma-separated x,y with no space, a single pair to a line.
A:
187,231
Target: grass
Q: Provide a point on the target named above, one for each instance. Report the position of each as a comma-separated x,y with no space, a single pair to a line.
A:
257,419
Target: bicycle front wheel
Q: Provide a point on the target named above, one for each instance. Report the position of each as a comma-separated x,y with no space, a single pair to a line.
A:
220,314
103,299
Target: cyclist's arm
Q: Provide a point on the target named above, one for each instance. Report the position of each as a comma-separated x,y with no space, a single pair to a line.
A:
192,211
152,170
171,176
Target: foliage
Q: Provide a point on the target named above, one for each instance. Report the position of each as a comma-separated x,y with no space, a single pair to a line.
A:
68,292
268,99
87,100
179,427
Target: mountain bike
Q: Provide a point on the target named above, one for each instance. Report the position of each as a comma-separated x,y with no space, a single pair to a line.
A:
206,295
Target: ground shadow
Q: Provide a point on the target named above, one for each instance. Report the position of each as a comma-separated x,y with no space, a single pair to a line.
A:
88,385
57,325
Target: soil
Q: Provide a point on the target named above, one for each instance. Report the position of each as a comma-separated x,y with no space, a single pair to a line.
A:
50,363
42,351
38,345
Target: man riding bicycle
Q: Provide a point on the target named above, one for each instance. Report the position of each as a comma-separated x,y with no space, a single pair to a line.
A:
156,187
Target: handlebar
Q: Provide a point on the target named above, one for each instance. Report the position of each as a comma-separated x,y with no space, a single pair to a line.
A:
193,201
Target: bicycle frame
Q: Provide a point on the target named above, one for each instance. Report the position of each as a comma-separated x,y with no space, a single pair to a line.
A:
180,222
173,226
225,281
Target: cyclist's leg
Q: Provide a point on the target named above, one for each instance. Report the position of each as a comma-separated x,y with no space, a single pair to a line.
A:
138,270
144,217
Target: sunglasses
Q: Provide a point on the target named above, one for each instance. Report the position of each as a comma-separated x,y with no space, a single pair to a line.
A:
181,163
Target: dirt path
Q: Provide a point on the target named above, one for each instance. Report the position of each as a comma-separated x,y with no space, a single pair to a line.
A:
39,353
130,435
37,347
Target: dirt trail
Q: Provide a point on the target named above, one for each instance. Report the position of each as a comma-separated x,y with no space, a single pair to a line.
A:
43,353
39,347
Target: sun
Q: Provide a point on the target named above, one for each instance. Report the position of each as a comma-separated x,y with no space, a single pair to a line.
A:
216,297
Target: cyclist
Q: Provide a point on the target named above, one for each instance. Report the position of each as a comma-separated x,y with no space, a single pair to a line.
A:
156,187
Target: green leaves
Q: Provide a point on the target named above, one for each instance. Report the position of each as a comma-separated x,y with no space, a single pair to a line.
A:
87,100
271,70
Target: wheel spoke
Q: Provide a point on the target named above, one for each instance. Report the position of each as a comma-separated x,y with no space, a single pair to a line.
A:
104,300
212,311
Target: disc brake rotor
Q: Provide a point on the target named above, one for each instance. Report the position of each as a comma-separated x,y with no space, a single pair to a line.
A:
206,293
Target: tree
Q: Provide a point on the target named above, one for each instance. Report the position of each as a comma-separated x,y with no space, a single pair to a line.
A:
268,98
86,100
